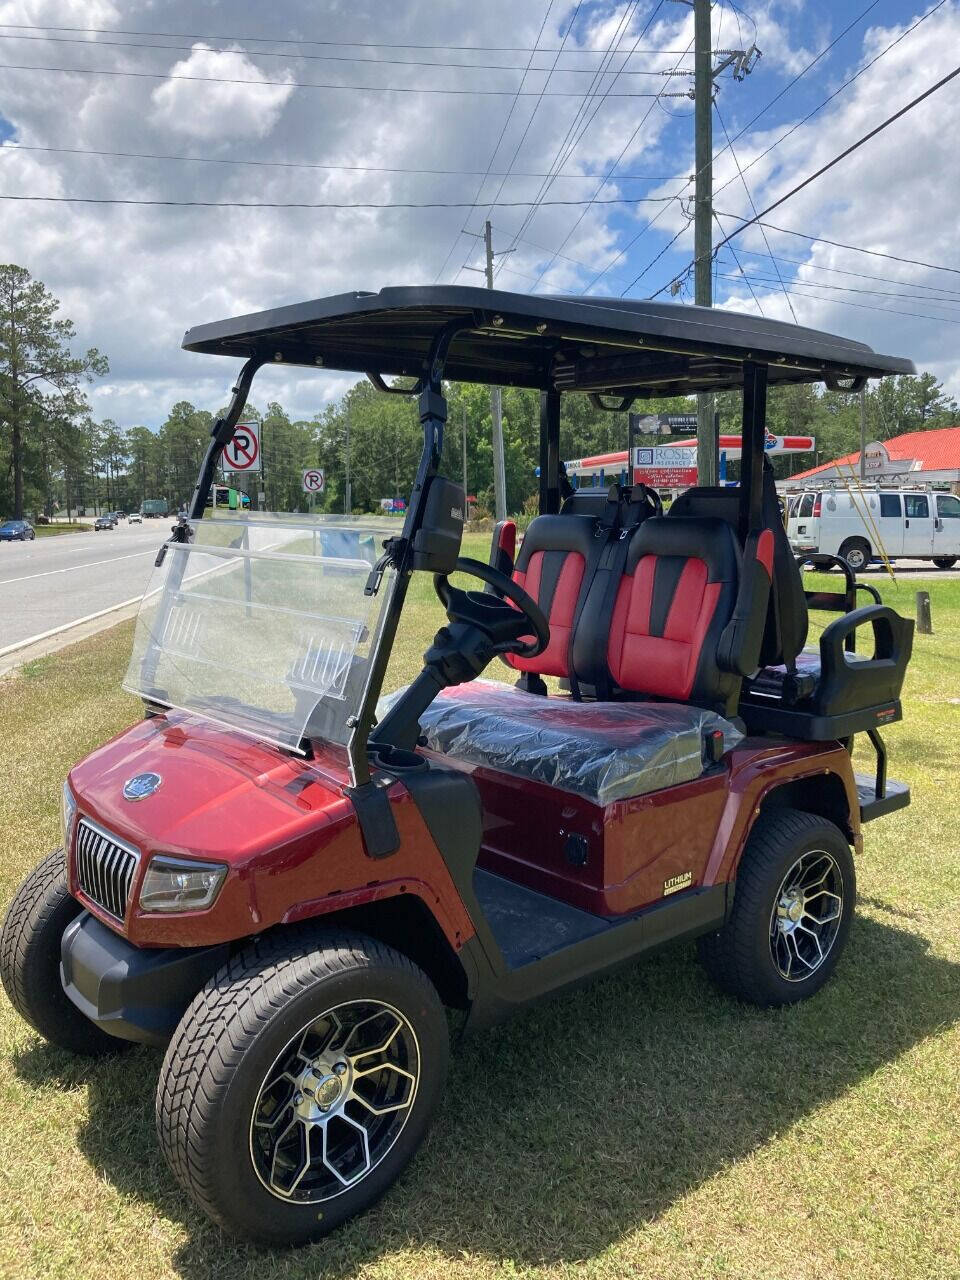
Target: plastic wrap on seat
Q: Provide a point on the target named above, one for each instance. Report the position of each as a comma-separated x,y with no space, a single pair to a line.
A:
604,751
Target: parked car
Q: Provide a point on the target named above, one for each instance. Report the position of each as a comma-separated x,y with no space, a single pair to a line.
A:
102,522
16,531
860,525
134,518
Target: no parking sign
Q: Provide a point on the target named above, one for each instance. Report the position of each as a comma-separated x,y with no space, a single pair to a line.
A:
243,451
313,480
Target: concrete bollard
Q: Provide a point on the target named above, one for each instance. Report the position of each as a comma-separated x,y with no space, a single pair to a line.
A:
924,621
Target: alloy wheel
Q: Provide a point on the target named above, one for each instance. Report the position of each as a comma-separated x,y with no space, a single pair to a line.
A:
806,915
334,1101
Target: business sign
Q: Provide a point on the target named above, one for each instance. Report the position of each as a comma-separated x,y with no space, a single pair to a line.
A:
664,424
665,467
313,480
242,453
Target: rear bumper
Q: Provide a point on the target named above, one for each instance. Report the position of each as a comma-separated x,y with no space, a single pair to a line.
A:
129,992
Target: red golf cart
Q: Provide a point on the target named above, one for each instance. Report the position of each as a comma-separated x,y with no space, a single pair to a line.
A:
283,876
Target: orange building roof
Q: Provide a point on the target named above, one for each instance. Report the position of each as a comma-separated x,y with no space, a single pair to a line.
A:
937,450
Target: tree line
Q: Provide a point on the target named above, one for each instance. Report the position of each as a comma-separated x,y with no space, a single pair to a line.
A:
55,457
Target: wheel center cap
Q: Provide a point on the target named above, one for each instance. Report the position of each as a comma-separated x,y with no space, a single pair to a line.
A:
327,1091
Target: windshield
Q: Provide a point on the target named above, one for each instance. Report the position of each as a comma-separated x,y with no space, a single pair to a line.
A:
261,624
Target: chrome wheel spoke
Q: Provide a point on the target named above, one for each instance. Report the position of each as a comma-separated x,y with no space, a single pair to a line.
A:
806,915
308,1141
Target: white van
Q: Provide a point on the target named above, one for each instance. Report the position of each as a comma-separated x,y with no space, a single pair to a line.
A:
861,525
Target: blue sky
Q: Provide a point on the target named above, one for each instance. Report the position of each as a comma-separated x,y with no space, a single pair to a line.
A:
133,277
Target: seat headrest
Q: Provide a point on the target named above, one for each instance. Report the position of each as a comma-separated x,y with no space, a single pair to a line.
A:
703,538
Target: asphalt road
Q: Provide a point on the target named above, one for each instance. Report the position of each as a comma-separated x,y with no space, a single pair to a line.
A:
53,582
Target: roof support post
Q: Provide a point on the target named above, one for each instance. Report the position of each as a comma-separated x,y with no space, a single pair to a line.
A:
549,452
754,430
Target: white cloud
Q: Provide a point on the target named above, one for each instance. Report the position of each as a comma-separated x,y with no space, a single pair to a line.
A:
134,278
222,111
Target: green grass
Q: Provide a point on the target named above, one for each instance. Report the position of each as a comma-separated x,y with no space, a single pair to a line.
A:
642,1127
54,530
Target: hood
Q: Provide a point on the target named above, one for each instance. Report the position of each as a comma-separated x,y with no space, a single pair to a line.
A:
221,795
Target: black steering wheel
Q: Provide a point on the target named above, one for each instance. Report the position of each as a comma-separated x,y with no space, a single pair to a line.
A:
491,613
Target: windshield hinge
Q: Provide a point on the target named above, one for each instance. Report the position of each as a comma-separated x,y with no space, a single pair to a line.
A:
180,532
393,550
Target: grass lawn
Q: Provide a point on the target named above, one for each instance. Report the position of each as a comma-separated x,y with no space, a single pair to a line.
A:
643,1127
53,530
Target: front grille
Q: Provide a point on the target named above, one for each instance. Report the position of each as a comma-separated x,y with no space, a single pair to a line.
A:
105,867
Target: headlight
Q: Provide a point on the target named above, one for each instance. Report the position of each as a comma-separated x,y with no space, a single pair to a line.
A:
68,809
175,885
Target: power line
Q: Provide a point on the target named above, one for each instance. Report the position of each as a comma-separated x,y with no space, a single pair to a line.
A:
583,213
304,84
320,204
754,208
338,44
346,168
854,146
776,98
500,137
846,288
840,88
337,57
864,275
564,152
862,306
580,120
855,248
530,118
739,266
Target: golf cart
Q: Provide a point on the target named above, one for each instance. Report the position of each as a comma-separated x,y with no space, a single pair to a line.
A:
283,876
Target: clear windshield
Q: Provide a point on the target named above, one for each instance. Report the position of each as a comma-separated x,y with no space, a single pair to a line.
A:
261,623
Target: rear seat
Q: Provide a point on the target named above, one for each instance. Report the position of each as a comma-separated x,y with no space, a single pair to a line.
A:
560,562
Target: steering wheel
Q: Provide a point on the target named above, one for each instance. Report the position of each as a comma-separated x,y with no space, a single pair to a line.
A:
651,497
491,613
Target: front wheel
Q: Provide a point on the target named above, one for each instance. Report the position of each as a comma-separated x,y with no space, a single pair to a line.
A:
856,552
795,894
300,1082
30,961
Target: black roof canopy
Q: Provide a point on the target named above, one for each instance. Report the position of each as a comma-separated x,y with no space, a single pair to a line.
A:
614,346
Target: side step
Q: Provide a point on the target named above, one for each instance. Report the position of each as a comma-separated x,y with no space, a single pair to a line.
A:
528,925
896,795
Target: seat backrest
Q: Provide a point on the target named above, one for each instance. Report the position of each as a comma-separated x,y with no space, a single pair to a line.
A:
785,632
555,566
677,595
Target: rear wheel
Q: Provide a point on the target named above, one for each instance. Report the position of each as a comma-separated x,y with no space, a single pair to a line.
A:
794,901
300,1082
945,562
856,552
30,961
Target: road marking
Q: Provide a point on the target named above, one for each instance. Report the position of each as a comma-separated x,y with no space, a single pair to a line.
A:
92,564
68,626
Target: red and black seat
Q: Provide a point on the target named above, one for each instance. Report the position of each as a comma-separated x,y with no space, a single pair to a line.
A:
669,636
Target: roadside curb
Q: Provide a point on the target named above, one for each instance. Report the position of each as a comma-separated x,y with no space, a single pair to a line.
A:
39,646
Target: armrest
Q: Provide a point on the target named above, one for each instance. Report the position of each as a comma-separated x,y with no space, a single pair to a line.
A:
739,647
850,683
503,546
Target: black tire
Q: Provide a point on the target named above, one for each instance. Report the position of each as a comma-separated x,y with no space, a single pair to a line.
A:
945,562
857,553
30,961
238,1030
741,957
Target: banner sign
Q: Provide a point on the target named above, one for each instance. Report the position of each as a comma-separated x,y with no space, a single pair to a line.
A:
665,467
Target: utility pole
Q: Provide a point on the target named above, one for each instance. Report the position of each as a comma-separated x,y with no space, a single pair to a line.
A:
863,436
347,496
464,425
705,73
708,443
496,404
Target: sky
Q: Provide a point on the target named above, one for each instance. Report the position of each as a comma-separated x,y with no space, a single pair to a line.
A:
134,277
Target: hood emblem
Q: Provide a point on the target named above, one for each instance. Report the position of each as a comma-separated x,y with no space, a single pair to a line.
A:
141,785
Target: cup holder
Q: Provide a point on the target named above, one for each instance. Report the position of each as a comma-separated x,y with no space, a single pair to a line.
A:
396,760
